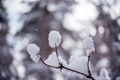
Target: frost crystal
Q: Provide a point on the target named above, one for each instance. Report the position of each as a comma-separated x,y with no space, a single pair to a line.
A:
104,75
52,60
33,50
89,45
79,64
54,39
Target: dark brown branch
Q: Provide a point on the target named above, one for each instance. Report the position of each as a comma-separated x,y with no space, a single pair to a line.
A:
63,67
57,54
75,71
60,66
56,51
47,64
88,63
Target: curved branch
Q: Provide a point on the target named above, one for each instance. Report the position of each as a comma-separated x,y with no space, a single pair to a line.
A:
88,63
63,67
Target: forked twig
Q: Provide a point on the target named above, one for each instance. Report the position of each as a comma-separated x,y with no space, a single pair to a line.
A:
63,67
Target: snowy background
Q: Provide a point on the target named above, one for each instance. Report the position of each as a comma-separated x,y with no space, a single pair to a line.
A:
29,21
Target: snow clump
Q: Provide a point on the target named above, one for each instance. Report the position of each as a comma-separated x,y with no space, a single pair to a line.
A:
33,51
52,60
89,45
54,39
79,64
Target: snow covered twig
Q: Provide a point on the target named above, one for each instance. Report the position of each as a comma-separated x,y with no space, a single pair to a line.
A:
79,65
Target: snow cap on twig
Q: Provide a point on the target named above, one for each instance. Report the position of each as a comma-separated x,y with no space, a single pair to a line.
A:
33,51
89,45
52,59
54,39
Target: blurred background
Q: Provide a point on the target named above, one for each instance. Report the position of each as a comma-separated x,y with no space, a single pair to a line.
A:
30,21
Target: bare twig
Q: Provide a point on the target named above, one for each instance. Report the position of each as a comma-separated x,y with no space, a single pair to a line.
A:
75,71
88,63
63,67
56,51
57,54
47,64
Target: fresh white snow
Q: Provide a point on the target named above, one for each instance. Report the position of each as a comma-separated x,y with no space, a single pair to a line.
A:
52,60
79,64
54,39
89,45
33,51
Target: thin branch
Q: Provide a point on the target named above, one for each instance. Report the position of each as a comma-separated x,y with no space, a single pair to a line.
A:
57,54
88,63
63,67
47,64
56,51
75,71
